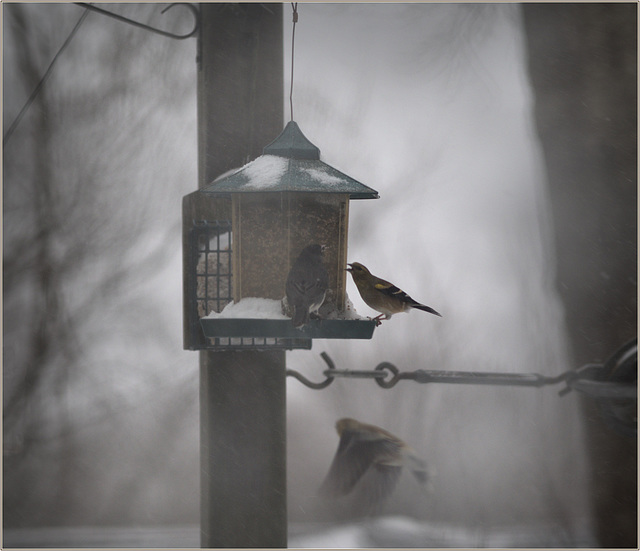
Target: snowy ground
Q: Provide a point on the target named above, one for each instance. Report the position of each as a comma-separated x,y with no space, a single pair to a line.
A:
380,532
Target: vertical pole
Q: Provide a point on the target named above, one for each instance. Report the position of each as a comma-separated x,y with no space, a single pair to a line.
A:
243,449
242,394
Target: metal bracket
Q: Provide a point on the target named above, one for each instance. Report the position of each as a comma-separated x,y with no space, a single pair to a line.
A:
613,384
193,8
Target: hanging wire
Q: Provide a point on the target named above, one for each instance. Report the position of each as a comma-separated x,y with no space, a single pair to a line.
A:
44,78
294,6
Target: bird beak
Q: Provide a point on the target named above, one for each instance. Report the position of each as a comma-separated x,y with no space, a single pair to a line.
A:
350,269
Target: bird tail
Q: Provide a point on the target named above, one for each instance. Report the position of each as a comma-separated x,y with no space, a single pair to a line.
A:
419,469
300,316
425,308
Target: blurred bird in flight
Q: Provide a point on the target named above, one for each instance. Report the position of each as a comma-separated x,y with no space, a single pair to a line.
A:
369,450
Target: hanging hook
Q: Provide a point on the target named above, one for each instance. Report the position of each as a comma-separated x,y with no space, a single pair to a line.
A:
316,386
194,11
294,7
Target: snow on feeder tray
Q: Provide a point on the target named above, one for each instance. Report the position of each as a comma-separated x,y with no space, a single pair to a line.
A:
241,234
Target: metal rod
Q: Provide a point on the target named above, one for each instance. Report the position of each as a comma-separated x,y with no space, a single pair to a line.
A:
484,378
591,379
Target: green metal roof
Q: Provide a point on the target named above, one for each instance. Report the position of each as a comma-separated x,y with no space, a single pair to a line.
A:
290,163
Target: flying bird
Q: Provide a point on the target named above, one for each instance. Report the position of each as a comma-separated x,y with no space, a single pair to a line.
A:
383,296
367,449
307,284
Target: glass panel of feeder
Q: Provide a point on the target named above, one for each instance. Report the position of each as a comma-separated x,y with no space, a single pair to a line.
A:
270,230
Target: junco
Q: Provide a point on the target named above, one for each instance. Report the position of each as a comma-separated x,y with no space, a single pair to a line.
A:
307,284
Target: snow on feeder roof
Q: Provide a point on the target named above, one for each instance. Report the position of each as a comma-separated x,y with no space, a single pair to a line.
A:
290,163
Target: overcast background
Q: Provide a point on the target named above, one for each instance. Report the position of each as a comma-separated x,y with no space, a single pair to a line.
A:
429,104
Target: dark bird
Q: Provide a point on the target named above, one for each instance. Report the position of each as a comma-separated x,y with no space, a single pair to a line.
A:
382,296
307,284
367,449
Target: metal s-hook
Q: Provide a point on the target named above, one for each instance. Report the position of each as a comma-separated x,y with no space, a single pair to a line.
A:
316,386
194,11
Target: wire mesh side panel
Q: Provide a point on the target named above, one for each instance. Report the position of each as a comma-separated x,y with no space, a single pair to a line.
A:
212,287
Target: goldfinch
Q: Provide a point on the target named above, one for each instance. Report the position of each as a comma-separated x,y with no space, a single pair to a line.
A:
367,449
382,296
307,284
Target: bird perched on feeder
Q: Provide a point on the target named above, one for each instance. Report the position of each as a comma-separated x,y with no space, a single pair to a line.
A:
382,296
365,449
307,284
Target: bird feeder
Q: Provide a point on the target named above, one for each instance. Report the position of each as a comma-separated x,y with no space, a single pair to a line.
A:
242,233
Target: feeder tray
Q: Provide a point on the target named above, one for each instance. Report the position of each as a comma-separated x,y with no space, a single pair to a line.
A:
283,328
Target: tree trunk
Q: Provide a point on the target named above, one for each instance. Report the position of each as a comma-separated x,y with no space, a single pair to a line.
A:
582,65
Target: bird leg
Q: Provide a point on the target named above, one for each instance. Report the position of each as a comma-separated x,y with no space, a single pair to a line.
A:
378,319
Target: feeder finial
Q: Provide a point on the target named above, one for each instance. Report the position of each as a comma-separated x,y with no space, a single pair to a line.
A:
293,144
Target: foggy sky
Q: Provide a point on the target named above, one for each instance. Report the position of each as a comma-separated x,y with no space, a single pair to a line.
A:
430,105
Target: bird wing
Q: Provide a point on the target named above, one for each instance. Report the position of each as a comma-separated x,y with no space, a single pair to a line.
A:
303,286
389,289
353,458
307,276
377,485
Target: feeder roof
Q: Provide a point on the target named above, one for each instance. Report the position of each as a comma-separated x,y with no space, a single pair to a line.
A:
290,163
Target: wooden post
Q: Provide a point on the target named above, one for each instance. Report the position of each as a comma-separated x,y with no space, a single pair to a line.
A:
242,393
